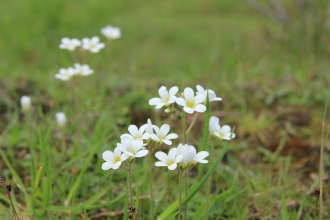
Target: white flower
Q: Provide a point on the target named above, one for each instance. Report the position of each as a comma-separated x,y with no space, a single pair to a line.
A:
113,160
93,44
171,160
189,155
219,132
166,97
136,133
190,102
69,44
26,103
162,135
149,128
83,70
60,119
66,74
111,32
133,148
212,95
214,125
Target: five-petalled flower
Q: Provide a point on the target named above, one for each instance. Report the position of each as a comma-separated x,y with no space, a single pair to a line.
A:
136,133
69,44
83,70
171,160
133,148
111,32
114,159
190,102
212,95
166,97
161,134
219,132
93,44
66,74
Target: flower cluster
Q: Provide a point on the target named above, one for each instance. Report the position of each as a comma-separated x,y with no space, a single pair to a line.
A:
184,156
92,45
66,74
132,144
189,101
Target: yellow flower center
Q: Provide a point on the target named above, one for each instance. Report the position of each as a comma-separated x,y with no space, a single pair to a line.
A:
117,159
190,103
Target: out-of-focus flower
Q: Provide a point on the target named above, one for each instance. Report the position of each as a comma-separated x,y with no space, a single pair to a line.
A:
26,103
166,97
93,44
111,32
171,160
162,135
69,44
133,148
114,159
60,119
190,102
66,74
212,95
83,70
219,132
136,133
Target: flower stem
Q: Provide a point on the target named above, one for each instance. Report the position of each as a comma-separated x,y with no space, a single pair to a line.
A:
150,186
130,188
192,123
208,185
184,127
185,194
180,195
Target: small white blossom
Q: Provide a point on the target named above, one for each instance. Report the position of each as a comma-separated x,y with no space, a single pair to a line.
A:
219,132
69,44
113,159
93,44
162,135
136,133
189,155
83,70
26,103
190,102
133,148
171,160
111,32
66,74
60,119
149,128
212,95
166,97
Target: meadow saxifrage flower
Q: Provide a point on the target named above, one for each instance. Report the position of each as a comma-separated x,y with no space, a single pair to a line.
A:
133,148
69,44
93,45
166,97
189,155
212,95
136,133
161,134
83,70
60,119
171,160
190,102
114,159
66,74
111,32
25,103
220,132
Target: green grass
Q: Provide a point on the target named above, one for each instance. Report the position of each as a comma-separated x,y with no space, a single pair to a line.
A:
273,90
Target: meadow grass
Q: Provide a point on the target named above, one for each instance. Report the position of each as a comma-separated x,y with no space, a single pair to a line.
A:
273,93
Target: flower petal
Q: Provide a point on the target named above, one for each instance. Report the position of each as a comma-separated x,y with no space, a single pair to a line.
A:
108,155
106,166
161,156
172,166
188,93
200,108
141,153
160,164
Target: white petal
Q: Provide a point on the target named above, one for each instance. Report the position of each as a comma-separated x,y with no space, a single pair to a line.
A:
188,110
172,136
172,154
159,105
178,158
167,142
181,101
108,155
200,108
154,137
106,166
203,161
201,155
225,128
199,99
161,156
141,153
160,164
133,130
200,89
188,93
116,165
154,101
172,166
174,90
164,129
124,157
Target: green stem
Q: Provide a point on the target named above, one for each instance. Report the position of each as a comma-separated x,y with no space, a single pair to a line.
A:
184,127
208,185
130,188
185,194
150,186
192,123
180,195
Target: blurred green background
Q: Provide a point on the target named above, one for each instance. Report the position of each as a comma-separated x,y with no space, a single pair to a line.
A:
269,64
